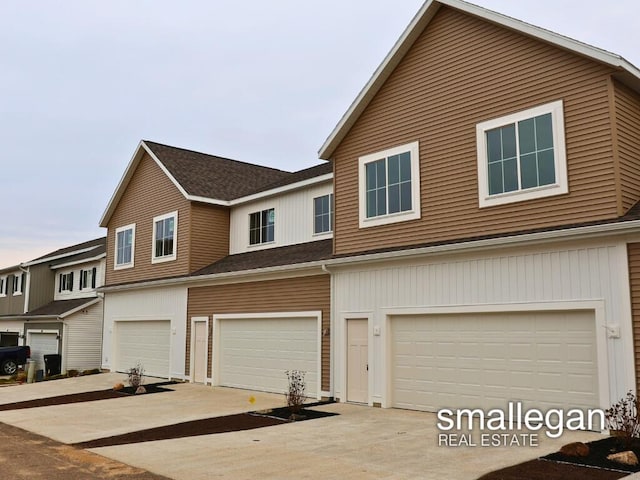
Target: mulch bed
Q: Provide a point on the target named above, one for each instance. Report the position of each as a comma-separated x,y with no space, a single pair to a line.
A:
207,426
86,397
546,470
558,466
598,452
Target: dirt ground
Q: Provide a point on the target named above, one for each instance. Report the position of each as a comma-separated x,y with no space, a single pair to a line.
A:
24,455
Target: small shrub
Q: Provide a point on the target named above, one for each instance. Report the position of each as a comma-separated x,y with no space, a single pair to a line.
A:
295,395
136,376
622,418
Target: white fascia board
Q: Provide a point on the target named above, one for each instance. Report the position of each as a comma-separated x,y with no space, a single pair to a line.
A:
581,233
164,169
90,302
78,262
415,28
56,257
313,268
283,189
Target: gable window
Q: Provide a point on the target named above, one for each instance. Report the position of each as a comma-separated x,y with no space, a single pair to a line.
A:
3,286
323,214
88,278
390,186
262,227
65,282
125,246
164,237
522,156
18,281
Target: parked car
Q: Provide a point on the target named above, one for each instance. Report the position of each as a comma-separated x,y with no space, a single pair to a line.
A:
11,357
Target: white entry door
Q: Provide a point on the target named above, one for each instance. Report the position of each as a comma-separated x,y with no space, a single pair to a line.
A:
200,352
357,360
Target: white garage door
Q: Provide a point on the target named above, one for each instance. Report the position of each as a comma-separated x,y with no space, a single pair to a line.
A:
144,342
42,344
255,353
546,360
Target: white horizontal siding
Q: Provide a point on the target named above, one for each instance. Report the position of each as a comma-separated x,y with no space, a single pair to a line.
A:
76,292
594,272
152,304
293,219
83,339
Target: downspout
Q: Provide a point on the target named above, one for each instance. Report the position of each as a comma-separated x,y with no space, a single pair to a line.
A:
332,347
26,288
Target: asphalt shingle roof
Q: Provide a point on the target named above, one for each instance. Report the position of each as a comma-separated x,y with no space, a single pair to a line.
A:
58,307
95,245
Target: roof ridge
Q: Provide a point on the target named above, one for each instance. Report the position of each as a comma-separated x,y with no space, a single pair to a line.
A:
147,142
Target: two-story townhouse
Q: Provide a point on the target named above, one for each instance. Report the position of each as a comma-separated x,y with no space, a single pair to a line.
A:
486,241
12,303
63,311
201,248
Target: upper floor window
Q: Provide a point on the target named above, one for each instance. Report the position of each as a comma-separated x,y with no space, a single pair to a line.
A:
65,282
522,156
3,286
88,278
125,246
323,214
262,226
164,237
18,281
390,186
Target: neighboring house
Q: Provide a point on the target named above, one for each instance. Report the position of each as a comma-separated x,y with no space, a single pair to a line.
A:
487,236
12,303
52,305
214,270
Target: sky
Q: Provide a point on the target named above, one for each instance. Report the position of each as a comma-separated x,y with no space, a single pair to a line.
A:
83,81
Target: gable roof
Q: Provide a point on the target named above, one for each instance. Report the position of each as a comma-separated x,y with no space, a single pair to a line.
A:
85,250
206,178
627,72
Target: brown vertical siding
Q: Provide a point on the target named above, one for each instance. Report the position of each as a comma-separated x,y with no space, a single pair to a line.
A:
633,254
42,285
627,108
284,295
150,193
459,72
209,235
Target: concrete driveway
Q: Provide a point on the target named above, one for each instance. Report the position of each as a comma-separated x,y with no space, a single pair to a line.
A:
360,443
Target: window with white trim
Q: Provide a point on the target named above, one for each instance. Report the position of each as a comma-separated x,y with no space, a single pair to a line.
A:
522,156
165,229
389,186
65,282
124,247
18,281
88,278
262,227
3,286
323,214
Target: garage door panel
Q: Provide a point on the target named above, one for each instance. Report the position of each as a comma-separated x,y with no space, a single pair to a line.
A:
545,359
42,344
144,342
255,353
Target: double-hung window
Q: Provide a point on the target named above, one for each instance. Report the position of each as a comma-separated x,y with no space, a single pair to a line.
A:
65,282
390,186
522,156
262,227
323,214
18,281
165,229
88,278
3,286
125,246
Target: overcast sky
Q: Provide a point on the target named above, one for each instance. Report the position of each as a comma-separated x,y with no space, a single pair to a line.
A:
83,82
